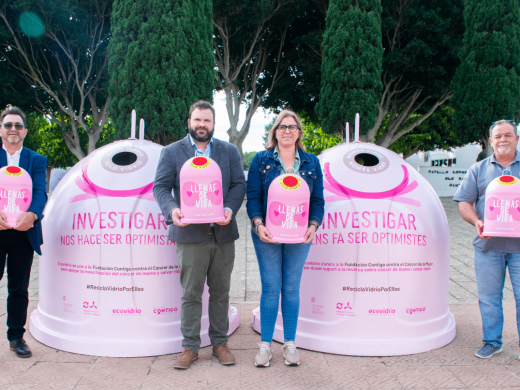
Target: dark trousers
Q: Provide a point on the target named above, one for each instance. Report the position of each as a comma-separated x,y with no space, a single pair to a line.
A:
211,261
17,252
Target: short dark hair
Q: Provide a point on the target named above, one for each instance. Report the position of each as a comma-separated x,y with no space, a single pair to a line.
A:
13,111
202,105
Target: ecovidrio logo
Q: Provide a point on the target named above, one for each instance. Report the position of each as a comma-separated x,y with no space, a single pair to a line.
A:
415,310
127,312
381,312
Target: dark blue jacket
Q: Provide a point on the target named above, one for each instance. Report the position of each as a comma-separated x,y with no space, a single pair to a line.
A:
36,165
260,177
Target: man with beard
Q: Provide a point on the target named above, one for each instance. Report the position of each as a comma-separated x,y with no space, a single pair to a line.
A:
492,254
204,250
17,244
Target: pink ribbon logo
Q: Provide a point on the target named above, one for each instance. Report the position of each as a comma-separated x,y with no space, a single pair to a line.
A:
342,193
94,191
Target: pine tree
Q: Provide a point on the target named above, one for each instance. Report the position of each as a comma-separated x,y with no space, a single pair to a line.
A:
352,64
160,62
486,86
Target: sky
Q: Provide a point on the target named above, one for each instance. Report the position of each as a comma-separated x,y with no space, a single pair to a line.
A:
254,141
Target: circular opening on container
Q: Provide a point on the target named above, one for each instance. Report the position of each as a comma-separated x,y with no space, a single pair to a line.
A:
200,161
13,170
507,179
290,181
366,159
124,158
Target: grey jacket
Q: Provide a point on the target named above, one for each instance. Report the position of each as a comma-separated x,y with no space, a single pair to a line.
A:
171,161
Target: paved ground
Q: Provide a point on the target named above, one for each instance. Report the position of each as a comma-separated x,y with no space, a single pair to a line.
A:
451,367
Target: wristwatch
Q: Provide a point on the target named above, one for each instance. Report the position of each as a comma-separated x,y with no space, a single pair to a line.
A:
256,226
36,216
315,224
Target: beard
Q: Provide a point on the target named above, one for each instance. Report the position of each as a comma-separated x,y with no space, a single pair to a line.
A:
196,137
10,140
504,149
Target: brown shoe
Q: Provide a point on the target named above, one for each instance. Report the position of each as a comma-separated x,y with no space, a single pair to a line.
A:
224,355
184,361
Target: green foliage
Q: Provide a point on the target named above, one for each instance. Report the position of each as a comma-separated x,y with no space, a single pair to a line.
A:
58,49
437,132
487,83
352,63
421,39
160,62
46,138
248,159
315,140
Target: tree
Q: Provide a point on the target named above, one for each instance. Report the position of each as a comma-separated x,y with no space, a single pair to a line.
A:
299,87
487,84
160,62
46,138
249,37
421,40
436,132
248,159
351,65
60,52
315,140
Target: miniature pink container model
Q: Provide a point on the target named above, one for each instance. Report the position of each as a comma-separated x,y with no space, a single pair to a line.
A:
375,282
15,192
201,191
288,209
109,277
502,218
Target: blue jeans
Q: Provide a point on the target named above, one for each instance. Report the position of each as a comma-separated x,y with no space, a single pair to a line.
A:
490,268
281,268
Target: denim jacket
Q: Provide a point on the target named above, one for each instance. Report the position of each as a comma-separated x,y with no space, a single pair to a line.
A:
265,168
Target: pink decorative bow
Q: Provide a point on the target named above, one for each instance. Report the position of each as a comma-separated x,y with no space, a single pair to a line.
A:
94,191
341,192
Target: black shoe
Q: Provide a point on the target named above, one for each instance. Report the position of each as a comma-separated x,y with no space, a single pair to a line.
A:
20,347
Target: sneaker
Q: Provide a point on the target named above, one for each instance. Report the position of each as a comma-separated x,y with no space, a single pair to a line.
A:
290,354
487,351
264,356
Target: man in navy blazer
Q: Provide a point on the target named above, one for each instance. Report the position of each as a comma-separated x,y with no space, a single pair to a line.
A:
17,244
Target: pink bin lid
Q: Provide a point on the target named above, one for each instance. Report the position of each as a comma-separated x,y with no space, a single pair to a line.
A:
15,192
504,184
198,167
289,186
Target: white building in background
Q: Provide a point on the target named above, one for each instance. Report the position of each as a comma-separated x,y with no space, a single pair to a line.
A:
443,169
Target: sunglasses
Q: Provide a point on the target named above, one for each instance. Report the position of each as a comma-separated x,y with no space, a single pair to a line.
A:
17,126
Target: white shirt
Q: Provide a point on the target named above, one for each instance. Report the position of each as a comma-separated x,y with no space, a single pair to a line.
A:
13,160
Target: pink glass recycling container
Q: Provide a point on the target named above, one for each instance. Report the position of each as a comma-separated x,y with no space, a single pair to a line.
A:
15,192
375,282
288,209
502,217
201,191
109,277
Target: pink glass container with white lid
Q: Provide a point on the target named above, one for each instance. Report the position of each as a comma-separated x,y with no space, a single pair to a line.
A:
502,215
15,192
287,216
201,191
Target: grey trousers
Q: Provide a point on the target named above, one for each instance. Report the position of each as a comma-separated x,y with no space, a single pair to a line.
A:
199,261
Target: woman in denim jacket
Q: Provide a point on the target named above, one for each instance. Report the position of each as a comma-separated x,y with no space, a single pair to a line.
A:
281,265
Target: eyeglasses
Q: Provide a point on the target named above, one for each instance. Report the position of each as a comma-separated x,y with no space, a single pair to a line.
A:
17,126
283,128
